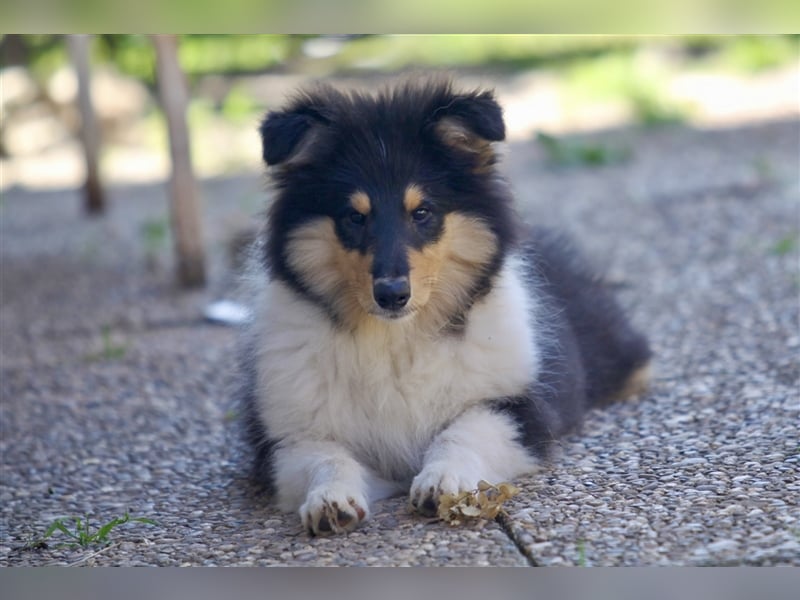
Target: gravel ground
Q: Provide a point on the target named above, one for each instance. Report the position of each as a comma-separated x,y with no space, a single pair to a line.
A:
114,390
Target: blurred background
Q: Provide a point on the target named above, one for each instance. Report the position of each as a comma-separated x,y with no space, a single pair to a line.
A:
547,84
570,102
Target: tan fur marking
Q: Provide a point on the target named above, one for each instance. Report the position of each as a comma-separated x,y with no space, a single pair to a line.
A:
413,198
341,277
456,135
636,383
442,274
360,202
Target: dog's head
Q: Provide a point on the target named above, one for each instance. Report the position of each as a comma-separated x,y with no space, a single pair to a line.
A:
388,206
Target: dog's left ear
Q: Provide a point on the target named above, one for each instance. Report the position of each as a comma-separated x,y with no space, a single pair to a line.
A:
470,123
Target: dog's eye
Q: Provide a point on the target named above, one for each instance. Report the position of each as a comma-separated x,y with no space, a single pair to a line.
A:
356,218
421,215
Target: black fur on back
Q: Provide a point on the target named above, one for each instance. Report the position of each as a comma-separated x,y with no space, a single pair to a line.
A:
589,349
610,350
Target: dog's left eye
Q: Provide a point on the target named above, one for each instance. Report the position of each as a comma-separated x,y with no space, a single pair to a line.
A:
356,218
421,215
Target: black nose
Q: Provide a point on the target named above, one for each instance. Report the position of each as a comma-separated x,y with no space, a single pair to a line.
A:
391,293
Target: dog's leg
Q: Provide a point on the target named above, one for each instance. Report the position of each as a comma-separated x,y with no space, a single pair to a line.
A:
326,482
480,444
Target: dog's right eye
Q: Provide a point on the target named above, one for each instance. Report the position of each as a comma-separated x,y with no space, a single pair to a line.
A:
356,218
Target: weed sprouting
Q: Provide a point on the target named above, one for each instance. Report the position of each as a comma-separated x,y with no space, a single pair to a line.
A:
81,533
785,245
581,546
109,350
154,235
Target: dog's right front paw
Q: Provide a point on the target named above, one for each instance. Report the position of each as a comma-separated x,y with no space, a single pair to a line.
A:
333,510
433,482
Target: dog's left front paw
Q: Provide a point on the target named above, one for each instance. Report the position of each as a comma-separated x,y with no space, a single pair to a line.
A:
435,481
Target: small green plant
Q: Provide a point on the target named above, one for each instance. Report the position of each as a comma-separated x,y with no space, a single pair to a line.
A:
154,237
764,169
567,153
784,246
110,350
81,533
581,546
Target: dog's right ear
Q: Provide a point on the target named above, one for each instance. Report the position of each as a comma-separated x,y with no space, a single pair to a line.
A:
286,136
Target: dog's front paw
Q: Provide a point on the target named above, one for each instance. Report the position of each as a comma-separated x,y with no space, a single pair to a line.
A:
433,482
333,509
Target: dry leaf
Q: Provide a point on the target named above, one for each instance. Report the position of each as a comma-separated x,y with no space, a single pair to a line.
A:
508,490
470,511
485,502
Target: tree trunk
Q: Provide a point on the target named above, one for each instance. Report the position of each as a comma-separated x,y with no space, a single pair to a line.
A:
185,203
78,46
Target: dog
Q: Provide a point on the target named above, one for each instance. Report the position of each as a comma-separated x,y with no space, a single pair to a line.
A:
408,334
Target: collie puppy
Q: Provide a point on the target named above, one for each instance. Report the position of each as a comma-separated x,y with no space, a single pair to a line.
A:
408,334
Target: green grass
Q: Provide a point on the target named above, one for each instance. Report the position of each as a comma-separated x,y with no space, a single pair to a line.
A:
78,531
566,153
498,51
632,79
756,53
235,54
240,106
211,53
748,54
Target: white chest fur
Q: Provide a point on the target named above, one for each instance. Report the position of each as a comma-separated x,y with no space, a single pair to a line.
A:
386,389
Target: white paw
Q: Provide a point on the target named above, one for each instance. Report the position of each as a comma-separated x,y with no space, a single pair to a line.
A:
333,509
437,479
